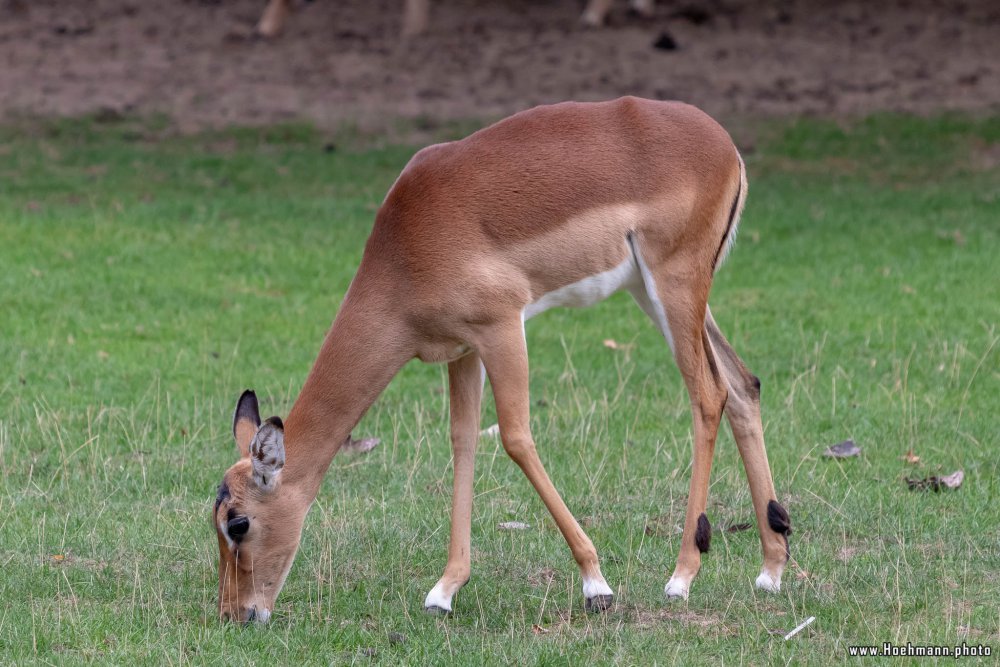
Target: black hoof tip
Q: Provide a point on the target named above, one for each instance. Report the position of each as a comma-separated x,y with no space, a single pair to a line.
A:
435,610
599,603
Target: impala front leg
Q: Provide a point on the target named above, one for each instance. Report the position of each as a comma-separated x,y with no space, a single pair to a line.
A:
505,356
465,383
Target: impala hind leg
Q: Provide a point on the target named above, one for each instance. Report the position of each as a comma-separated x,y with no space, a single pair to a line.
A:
465,386
274,17
505,356
595,13
678,309
743,412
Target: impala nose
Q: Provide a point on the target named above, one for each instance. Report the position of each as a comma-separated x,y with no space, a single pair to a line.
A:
261,615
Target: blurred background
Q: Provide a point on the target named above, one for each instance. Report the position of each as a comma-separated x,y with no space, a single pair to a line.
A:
204,63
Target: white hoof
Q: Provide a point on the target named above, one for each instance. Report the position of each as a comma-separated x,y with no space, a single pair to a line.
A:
437,600
594,587
677,589
766,582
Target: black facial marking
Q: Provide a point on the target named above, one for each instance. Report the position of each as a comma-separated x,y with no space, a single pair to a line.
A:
222,495
703,534
276,422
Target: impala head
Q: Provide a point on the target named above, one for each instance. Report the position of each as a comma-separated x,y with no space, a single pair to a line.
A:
258,522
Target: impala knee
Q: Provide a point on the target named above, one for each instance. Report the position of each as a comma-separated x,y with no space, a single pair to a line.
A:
518,447
744,397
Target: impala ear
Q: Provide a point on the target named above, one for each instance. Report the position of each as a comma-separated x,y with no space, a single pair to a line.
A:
267,454
246,420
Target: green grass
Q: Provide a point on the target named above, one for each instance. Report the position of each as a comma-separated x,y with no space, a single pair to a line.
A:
147,279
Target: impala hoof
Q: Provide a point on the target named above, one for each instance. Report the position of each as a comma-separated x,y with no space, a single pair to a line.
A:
435,610
599,603
769,583
676,589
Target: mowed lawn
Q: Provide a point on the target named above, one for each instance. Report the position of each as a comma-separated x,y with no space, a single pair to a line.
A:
147,279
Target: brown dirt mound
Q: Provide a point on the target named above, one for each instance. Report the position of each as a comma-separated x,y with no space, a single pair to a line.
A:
343,61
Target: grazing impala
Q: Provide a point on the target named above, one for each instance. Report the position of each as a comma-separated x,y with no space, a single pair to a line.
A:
559,205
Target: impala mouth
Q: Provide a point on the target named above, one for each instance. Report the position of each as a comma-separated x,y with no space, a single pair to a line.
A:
260,616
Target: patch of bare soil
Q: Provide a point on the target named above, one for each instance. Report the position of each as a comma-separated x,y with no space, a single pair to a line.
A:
197,61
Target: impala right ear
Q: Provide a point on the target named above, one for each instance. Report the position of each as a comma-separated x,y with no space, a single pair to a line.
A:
267,454
246,420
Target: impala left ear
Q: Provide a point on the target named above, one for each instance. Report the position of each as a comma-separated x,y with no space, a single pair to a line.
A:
267,454
246,421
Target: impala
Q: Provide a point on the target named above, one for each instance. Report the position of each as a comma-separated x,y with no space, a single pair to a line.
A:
560,205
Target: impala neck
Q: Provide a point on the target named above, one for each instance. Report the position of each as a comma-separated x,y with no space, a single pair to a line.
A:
362,352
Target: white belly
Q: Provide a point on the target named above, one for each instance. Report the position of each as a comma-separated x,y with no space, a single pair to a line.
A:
589,290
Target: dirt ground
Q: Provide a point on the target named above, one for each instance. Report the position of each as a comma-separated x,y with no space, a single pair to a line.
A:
344,61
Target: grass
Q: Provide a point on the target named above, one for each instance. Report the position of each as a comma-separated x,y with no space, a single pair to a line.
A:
147,279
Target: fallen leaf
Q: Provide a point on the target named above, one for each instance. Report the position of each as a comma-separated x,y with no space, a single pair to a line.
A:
910,457
936,483
102,355
58,557
954,480
539,630
361,446
513,525
490,431
843,450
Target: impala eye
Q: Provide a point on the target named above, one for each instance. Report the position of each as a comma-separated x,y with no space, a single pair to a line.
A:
237,527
